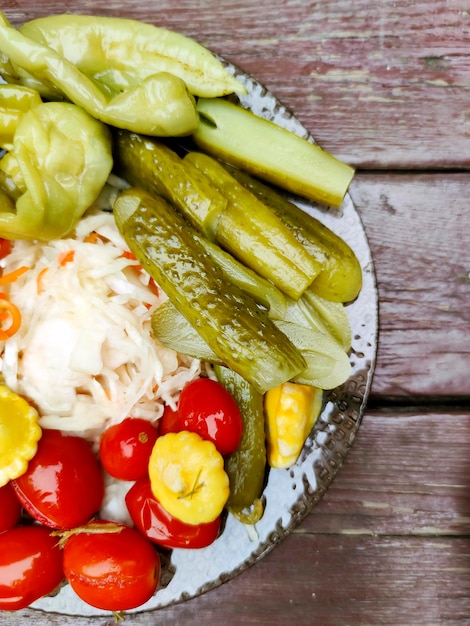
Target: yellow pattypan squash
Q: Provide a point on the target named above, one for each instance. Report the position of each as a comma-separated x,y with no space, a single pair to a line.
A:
187,476
19,434
291,411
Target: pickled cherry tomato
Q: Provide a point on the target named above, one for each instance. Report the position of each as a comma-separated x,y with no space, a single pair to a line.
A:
207,408
169,422
164,529
10,508
30,566
63,486
125,448
114,570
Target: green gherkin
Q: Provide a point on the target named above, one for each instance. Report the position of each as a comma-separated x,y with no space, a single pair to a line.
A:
149,164
340,279
238,331
220,208
246,467
254,234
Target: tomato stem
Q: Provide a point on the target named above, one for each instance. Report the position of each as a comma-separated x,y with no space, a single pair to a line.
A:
143,437
92,528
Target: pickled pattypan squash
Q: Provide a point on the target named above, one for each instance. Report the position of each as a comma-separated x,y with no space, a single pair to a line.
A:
291,411
187,476
19,434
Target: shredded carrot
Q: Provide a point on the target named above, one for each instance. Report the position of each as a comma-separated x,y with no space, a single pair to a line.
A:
66,257
154,287
131,256
14,275
91,238
3,314
40,280
13,311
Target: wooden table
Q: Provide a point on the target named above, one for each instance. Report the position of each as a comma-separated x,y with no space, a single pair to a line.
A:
384,86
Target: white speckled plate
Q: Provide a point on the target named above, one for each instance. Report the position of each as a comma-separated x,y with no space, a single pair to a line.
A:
290,494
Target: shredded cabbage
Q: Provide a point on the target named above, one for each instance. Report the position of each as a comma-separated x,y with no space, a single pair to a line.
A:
84,354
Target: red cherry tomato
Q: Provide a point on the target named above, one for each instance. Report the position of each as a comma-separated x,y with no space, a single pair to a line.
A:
63,486
207,408
10,508
113,571
30,566
5,247
125,448
169,421
159,526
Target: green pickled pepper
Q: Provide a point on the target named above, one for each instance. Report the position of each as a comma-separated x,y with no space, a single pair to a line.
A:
160,104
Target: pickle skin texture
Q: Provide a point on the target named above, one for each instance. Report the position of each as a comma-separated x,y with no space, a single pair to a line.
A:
246,467
259,288
271,152
340,279
147,163
220,207
255,234
327,363
241,334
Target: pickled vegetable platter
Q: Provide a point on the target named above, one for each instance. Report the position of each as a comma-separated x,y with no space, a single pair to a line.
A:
289,493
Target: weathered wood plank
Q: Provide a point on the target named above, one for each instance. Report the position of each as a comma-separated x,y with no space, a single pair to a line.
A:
346,580
416,226
380,85
357,580
406,474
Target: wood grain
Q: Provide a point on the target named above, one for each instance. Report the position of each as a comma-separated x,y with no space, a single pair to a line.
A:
415,224
400,478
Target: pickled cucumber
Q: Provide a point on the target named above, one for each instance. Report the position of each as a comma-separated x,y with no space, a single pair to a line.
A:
246,467
239,332
340,279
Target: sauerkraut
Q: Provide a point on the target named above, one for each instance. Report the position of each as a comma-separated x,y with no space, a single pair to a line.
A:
84,354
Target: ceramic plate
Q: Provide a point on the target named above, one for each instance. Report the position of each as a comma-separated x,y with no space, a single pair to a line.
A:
290,494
